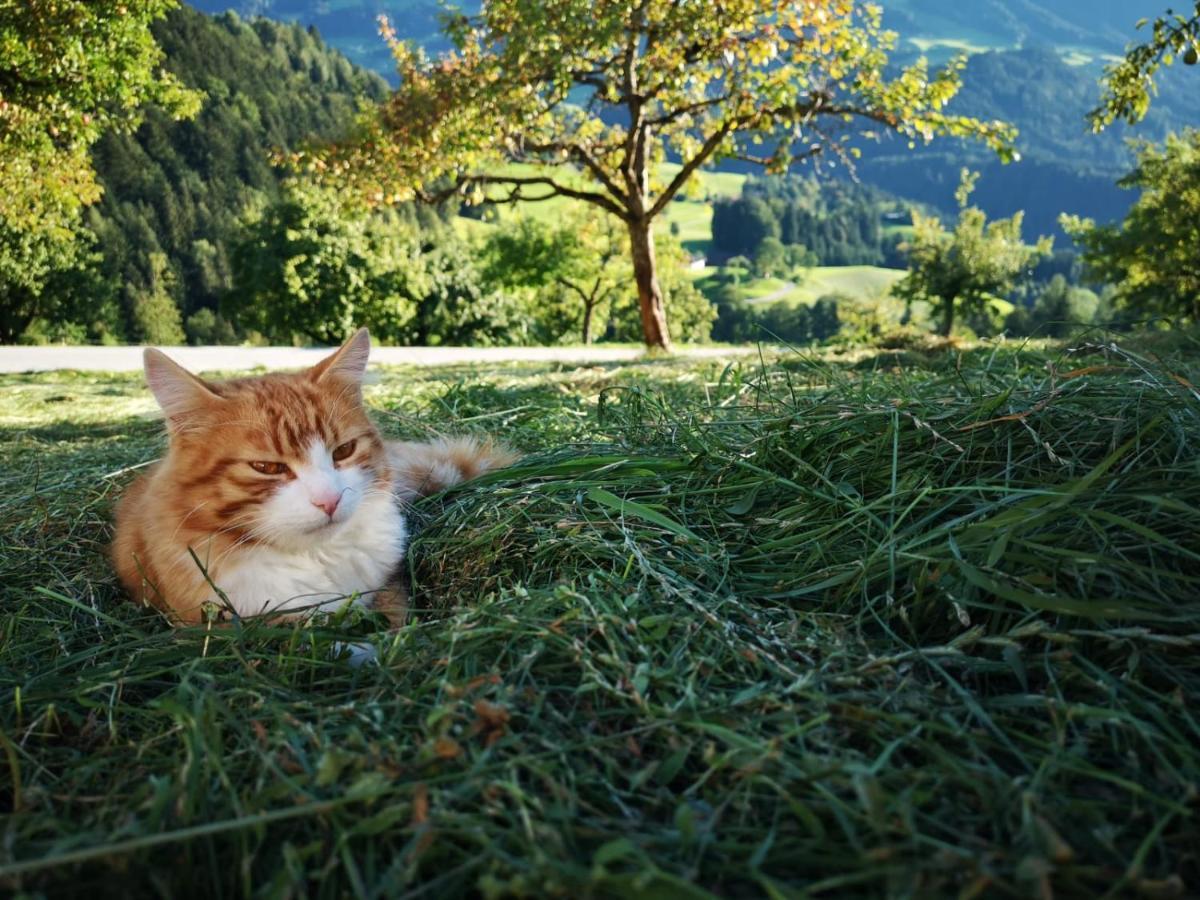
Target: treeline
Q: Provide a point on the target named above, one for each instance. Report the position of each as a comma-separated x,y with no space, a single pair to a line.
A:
838,223
740,322
200,238
312,268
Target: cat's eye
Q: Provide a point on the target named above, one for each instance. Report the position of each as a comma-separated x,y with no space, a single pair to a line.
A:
269,468
343,451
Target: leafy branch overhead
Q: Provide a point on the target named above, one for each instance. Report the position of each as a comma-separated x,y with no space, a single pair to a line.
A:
1152,256
70,70
1129,83
584,99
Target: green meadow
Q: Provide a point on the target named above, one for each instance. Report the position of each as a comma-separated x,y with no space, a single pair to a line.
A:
865,623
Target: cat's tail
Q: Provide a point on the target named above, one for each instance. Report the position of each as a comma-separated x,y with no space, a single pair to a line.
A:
421,469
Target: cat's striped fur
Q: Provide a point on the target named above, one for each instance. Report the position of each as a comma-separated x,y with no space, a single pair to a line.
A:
278,495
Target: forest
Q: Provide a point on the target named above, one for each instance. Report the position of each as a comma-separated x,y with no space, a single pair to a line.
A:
839,223
197,228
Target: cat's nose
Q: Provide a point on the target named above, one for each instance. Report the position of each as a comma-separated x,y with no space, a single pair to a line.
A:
328,503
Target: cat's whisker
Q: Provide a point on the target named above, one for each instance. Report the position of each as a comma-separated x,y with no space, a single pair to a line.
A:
195,509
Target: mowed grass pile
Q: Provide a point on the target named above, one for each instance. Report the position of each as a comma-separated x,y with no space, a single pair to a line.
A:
875,625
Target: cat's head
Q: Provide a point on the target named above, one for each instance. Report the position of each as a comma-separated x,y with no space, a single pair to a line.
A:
280,459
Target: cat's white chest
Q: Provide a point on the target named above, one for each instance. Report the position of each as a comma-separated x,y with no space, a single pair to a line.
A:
357,558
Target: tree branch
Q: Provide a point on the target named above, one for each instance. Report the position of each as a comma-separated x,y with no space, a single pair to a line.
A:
589,162
567,283
685,172
555,187
682,111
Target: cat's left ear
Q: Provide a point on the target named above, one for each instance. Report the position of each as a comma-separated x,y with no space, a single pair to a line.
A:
350,360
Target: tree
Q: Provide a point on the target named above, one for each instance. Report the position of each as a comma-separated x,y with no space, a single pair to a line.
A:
69,70
29,260
28,257
771,258
1153,256
456,307
306,268
962,270
1129,83
690,315
591,96
153,304
309,268
188,184
740,225
1059,308
580,259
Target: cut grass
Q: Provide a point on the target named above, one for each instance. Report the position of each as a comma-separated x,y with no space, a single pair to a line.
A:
880,624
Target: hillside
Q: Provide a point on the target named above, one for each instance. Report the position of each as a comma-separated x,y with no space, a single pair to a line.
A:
349,25
174,191
1063,167
1087,27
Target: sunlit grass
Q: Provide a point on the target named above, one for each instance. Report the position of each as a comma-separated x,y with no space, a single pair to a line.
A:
885,623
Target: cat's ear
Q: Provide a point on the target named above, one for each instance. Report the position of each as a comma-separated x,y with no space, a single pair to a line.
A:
350,360
177,390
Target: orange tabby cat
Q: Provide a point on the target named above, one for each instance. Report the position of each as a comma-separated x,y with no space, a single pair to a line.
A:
277,494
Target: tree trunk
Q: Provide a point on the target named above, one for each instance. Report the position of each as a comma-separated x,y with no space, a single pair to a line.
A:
16,314
947,317
588,306
650,298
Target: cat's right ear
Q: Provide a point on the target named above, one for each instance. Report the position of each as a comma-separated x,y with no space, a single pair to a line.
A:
349,361
177,390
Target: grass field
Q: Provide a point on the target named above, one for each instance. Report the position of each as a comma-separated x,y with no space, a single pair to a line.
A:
872,624
858,282
866,284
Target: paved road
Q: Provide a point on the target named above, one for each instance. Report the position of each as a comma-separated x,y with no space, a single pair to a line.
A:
208,359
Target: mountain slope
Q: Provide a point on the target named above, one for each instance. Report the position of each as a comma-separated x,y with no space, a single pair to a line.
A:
1063,166
351,26
1093,27
174,190
1035,63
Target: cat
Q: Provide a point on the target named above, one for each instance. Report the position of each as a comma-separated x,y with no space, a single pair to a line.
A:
278,496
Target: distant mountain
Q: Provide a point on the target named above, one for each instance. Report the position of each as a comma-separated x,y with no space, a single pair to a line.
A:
352,26
1088,28
1064,167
